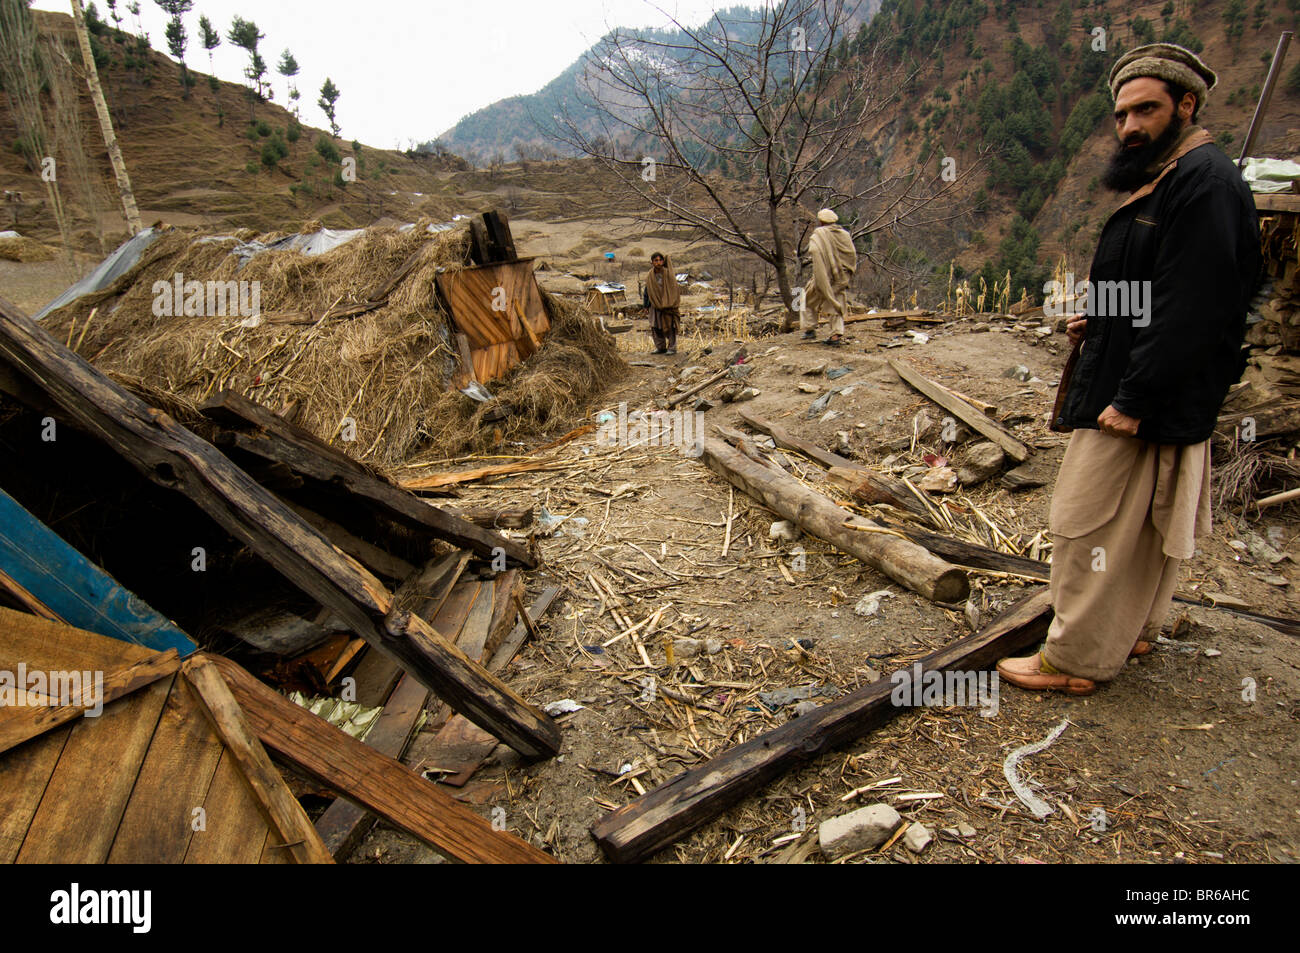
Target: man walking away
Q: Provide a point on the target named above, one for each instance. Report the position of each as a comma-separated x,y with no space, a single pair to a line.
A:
1175,268
663,298
834,261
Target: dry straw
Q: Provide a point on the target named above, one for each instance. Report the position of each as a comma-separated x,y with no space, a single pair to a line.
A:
380,377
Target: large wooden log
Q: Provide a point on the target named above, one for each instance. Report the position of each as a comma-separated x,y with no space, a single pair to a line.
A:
900,559
173,457
645,826
981,423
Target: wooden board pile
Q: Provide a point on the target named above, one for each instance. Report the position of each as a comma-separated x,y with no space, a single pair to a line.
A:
443,625
1278,299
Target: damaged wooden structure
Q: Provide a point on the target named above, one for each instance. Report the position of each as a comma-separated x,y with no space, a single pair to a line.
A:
433,631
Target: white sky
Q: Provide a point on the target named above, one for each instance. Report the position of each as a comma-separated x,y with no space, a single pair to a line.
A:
407,70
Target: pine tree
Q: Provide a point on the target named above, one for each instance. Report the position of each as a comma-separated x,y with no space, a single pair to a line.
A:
288,68
328,102
177,38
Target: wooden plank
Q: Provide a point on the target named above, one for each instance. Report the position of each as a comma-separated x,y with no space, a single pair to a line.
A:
98,767
981,423
362,774
277,440
53,646
513,642
234,831
18,725
1277,202
175,458
283,814
369,555
24,775
883,550
343,824
641,828
73,588
11,586
174,779
889,488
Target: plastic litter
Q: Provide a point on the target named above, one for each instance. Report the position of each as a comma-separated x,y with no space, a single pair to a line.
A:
1037,806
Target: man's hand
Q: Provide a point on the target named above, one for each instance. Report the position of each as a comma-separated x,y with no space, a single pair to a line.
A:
1074,329
1116,424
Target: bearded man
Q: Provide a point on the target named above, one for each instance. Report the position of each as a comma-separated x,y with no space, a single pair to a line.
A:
663,299
1160,344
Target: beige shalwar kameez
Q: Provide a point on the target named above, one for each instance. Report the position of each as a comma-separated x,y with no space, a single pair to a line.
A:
1125,514
834,262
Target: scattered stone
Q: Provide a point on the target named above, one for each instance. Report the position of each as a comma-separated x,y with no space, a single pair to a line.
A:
965,830
939,480
805,708
1212,653
917,837
740,371
1279,581
808,388
688,372
864,829
704,404
783,529
746,393
687,647
842,441
1018,372
1262,552
979,462
979,327
1027,476
817,370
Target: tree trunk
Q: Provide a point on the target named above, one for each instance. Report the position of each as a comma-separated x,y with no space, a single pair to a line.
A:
782,271
106,122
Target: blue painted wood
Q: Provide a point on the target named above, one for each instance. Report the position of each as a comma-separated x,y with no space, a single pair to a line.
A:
77,590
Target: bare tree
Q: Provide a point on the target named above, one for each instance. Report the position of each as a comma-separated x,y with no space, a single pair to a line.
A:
742,128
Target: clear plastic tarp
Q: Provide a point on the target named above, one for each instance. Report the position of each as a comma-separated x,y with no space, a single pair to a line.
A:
109,270
1270,175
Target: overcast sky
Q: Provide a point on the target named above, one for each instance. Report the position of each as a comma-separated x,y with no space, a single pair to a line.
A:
408,70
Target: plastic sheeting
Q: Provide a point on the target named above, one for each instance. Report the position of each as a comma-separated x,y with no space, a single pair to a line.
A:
1270,175
110,269
317,243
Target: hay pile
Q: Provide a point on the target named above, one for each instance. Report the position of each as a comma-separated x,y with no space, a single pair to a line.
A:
387,370
24,249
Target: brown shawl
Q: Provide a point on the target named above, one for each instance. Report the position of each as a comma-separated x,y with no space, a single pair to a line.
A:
663,294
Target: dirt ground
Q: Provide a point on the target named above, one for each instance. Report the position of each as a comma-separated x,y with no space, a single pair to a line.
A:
1191,753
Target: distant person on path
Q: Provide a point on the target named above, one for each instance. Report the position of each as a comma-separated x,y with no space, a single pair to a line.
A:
834,261
1161,343
663,298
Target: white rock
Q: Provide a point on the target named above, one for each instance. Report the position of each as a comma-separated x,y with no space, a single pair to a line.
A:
783,529
870,603
916,837
863,829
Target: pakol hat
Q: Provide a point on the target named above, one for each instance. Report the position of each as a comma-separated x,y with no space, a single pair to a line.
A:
827,217
1164,61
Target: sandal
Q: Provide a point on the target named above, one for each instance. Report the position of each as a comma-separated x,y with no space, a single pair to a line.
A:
834,341
809,335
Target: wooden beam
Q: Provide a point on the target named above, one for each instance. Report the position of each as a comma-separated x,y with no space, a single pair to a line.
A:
368,554
175,458
379,784
981,423
645,826
280,808
343,824
18,725
883,550
276,439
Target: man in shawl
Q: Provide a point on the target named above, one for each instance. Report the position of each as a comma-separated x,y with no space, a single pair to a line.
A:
834,260
1161,343
663,298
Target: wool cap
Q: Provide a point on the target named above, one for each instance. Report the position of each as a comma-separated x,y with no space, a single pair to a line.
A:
1164,61
827,216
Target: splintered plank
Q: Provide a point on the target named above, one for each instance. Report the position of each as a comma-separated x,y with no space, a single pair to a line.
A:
24,774
175,458
277,440
981,423
174,779
283,814
375,782
642,827
88,792
233,830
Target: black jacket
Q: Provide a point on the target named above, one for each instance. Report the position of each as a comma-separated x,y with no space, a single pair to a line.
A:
1170,355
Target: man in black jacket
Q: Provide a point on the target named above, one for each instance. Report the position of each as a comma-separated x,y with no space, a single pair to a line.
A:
1174,271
